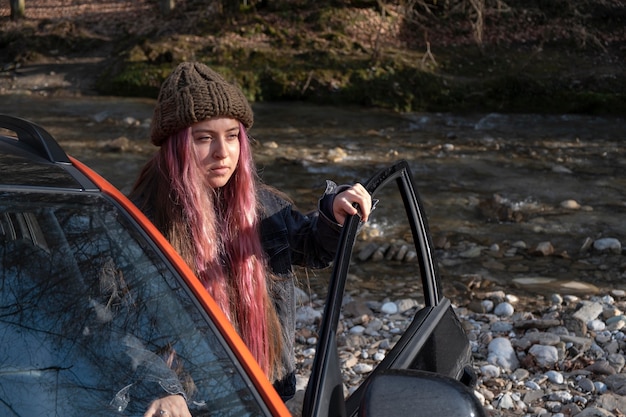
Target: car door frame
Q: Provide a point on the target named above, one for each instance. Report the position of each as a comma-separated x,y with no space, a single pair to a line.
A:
324,395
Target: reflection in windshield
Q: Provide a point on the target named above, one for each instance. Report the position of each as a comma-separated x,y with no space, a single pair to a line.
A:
92,322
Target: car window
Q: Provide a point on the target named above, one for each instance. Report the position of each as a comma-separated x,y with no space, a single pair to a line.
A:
93,322
383,289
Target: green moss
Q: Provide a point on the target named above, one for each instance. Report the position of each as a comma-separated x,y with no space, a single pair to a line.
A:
306,55
135,80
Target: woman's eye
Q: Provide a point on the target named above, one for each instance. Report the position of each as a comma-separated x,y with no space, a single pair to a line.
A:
204,138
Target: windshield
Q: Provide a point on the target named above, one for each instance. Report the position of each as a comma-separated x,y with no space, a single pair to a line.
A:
93,322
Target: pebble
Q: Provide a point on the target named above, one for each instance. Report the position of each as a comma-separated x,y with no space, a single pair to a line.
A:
389,308
570,204
608,244
504,310
562,359
501,353
555,377
545,356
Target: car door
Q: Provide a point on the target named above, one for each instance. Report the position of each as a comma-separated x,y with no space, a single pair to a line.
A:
433,343
99,315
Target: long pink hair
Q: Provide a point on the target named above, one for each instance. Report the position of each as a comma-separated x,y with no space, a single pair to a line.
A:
216,232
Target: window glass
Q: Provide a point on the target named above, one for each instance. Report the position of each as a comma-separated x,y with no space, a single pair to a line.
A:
382,295
383,290
92,322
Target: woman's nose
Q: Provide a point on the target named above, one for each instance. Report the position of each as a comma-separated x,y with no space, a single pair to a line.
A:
219,150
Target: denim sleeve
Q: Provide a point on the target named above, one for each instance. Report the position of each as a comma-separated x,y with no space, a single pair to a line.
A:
325,205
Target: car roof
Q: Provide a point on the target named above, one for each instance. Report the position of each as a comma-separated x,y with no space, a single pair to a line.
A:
33,159
20,168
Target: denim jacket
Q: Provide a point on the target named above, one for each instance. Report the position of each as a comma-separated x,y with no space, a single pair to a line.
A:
290,237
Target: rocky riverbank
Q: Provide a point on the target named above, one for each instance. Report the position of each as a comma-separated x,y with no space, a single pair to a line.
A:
563,358
556,348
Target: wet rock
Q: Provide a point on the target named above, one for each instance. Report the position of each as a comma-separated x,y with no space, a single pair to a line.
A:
389,308
498,209
357,308
478,306
570,204
595,412
121,144
618,293
504,310
543,249
612,401
100,117
501,353
367,251
363,368
542,284
539,324
308,315
130,121
587,312
541,338
505,402
501,327
358,329
545,356
406,304
587,244
563,397
561,169
608,244
617,361
616,383
336,154
601,368
596,325
473,252
379,254
520,374
586,385
583,343
490,371
555,377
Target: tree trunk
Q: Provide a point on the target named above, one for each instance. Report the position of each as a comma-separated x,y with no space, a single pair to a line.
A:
17,9
167,6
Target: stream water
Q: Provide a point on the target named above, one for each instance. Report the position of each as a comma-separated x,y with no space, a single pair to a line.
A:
532,163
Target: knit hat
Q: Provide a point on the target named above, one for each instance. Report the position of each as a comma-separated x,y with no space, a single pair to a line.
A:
192,93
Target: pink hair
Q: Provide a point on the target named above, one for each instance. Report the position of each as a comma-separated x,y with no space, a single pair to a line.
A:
216,231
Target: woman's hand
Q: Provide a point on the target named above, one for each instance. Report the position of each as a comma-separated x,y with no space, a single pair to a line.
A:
170,406
343,204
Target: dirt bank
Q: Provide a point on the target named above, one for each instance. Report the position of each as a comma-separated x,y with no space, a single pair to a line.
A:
530,59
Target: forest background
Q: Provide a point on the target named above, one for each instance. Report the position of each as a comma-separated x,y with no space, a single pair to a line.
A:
531,56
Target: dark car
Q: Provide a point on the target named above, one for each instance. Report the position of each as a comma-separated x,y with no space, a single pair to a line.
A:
100,316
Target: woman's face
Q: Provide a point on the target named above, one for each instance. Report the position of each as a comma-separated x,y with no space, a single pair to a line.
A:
217,145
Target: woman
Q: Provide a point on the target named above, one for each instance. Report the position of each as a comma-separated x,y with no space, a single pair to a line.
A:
240,237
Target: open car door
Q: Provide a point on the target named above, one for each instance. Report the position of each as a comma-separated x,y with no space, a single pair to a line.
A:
428,370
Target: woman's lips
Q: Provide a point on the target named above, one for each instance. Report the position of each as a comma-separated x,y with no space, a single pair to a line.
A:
219,170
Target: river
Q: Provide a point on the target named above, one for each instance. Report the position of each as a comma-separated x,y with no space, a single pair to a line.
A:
557,178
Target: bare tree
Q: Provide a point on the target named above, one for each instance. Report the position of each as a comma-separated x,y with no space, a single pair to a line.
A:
478,19
17,9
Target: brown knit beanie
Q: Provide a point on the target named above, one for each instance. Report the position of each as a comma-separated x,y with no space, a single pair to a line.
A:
192,93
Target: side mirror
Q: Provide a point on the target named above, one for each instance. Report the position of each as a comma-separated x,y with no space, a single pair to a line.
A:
417,393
